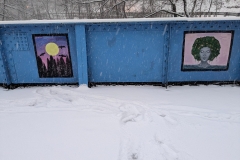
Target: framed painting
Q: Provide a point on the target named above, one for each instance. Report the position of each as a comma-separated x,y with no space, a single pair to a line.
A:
52,55
206,51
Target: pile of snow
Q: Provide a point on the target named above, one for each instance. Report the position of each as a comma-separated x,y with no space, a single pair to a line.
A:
120,123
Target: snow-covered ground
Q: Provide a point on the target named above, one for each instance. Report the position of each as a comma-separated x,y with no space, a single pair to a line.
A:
120,123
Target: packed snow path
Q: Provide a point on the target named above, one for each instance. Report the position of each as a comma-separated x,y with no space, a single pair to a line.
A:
120,123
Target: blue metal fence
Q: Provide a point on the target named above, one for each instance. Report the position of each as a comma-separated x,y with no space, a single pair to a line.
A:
117,52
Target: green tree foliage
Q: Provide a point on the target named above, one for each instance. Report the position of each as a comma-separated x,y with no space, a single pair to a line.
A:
208,41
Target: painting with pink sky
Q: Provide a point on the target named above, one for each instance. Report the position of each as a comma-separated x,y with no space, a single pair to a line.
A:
206,51
52,55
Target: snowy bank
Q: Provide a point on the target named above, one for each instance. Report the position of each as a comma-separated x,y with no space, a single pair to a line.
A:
120,123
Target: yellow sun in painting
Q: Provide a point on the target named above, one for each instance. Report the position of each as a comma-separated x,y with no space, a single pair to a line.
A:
52,49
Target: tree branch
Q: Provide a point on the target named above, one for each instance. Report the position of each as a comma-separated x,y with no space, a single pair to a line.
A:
185,8
210,6
9,6
89,2
132,5
162,10
110,9
102,6
124,3
6,12
193,8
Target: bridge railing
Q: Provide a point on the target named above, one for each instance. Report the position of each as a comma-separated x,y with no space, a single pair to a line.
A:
125,51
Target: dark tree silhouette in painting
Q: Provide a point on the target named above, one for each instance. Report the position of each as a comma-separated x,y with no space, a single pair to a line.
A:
55,67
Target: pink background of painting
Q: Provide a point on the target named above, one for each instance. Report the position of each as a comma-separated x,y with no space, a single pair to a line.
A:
224,40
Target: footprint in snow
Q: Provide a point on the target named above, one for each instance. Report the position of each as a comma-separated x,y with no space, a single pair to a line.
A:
132,113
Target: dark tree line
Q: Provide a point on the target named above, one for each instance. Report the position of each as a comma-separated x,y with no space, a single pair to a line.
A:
55,68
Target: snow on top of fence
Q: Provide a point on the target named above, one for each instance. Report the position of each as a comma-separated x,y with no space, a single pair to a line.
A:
83,21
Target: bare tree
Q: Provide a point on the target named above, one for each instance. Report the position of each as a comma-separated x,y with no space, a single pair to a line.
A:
13,10
185,8
210,6
68,9
193,8
173,6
